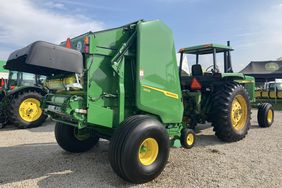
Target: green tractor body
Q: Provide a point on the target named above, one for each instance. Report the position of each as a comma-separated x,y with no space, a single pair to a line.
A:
124,85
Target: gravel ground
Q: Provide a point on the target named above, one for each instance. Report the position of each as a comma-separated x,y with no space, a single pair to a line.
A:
31,158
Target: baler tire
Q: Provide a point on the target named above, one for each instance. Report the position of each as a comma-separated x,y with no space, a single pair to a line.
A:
187,138
222,109
65,136
14,114
265,115
126,147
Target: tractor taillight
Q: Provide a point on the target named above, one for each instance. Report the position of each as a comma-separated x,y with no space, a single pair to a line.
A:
195,84
2,82
86,40
68,43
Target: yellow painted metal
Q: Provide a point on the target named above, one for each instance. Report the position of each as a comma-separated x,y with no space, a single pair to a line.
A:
279,94
245,81
190,139
166,93
148,151
30,110
264,94
269,116
239,112
61,83
272,94
258,93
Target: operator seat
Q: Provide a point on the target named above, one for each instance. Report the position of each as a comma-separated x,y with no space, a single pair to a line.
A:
197,70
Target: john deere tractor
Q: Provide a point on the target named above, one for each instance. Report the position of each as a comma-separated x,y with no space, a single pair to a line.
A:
222,97
123,85
20,100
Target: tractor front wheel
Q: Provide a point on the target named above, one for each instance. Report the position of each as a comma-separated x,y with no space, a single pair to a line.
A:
139,149
265,115
187,138
231,112
68,138
25,111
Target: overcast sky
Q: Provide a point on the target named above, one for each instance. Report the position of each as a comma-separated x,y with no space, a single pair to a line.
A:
254,27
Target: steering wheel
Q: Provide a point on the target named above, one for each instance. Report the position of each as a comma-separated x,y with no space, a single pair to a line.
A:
210,69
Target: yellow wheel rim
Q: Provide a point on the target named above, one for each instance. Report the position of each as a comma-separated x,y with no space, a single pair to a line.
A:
239,112
190,139
269,116
148,151
30,110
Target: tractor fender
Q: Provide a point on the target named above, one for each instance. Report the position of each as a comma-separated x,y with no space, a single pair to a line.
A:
233,76
27,88
247,81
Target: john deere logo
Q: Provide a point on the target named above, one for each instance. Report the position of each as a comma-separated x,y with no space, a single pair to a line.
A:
271,66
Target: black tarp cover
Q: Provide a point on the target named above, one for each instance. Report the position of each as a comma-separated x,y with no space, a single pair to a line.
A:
44,58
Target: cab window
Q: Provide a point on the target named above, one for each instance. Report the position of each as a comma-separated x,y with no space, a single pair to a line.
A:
28,79
13,75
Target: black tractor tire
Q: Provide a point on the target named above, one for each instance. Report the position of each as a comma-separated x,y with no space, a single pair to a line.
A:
66,138
187,138
2,125
14,114
129,145
3,118
265,115
231,103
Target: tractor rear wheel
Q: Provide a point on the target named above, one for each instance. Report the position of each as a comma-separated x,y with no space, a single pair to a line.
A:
139,149
68,138
25,111
265,115
231,112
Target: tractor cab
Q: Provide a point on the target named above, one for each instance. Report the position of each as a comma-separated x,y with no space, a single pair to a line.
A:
22,79
211,72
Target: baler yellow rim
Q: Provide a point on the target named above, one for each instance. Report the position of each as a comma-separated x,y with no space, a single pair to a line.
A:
148,151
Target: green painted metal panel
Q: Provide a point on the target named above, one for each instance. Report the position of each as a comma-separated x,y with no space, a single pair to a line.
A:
100,116
233,75
110,91
158,87
100,81
206,49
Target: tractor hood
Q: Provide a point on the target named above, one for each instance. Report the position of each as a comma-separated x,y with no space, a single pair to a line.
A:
44,58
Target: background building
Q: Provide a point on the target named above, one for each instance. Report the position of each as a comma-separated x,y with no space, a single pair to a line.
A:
264,71
3,73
